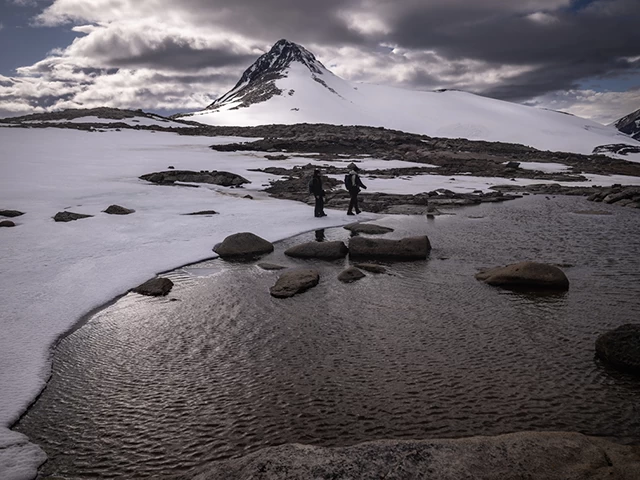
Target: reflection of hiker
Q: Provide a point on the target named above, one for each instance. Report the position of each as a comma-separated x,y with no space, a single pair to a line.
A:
354,184
315,188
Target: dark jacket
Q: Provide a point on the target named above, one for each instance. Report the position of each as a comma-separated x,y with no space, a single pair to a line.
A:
315,186
352,182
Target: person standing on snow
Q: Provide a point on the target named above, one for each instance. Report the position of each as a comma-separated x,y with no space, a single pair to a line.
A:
315,188
354,184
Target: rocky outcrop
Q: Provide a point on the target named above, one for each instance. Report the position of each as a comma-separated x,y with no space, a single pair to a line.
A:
320,250
7,223
368,228
618,195
411,248
225,179
293,282
69,216
523,455
10,213
156,287
271,266
118,210
371,267
620,348
630,124
351,274
244,244
526,275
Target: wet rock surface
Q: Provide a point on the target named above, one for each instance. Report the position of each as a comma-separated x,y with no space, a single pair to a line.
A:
69,216
293,282
351,274
156,287
526,275
271,266
620,348
319,250
225,179
368,228
244,244
118,210
411,248
524,455
370,267
10,213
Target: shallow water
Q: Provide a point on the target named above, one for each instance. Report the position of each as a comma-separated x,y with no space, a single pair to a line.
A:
154,387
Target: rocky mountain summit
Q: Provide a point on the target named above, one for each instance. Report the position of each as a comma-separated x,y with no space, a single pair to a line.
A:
630,124
257,83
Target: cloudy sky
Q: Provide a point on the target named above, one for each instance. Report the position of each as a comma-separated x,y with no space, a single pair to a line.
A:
167,56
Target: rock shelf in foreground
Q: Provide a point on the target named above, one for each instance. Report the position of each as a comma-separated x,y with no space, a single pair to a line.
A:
524,455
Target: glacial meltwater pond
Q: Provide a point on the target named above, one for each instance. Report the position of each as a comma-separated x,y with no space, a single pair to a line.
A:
153,387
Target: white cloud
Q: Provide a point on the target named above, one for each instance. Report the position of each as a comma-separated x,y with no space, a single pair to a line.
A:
542,18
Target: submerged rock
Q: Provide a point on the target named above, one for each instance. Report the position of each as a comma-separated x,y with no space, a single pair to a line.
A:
156,287
118,210
295,281
244,244
69,216
621,348
531,275
271,266
321,250
523,455
351,274
368,228
10,213
411,248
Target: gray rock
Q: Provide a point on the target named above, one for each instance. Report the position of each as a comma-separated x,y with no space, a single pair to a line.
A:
322,250
621,347
367,228
271,266
118,210
411,248
156,287
10,213
203,212
351,274
69,216
244,244
294,281
7,223
371,267
514,456
531,275
225,179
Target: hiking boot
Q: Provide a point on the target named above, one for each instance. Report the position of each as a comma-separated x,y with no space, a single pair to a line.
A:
350,213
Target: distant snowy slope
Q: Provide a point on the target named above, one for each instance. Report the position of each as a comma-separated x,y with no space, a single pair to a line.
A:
289,85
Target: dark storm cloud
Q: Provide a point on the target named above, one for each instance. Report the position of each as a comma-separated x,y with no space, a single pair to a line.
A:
564,46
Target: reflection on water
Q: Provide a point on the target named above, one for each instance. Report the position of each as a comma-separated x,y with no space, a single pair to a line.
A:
153,387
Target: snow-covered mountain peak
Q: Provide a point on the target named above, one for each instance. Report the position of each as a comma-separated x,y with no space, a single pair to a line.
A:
257,83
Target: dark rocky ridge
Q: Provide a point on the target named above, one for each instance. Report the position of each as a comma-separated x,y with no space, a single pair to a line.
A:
630,124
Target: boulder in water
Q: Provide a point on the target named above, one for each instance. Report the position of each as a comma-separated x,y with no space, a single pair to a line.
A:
410,248
368,228
156,287
295,281
244,244
351,274
620,348
321,250
526,275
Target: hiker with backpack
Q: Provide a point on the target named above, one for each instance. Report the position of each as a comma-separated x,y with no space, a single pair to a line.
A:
354,184
315,188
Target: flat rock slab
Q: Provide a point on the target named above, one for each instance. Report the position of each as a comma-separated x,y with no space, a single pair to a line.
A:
351,274
620,348
203,212
271,266
371,267
515,456
244,244
156,287
411,248
368,228
69,216
7,223
295,281
118,210
10,213
527,275
321,250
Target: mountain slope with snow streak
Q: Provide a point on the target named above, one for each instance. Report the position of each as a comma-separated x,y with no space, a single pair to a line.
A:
289,85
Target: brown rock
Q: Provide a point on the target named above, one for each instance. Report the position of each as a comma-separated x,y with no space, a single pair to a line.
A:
7,223
621,348
118,210
411,248
243,244
321,250
526,275
156,287
351,274
10,213
368,228
69,216
295,281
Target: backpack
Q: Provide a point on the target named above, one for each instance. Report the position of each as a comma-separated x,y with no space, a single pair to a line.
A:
348,181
